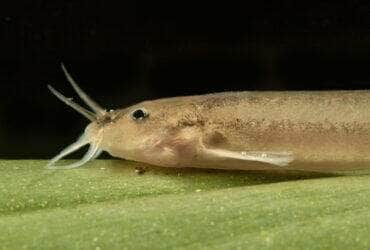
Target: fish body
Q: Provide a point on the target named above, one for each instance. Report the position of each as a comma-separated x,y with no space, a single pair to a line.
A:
311,130
297,130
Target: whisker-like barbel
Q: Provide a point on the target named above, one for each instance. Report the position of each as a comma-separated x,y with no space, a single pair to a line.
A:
91,152
89,115
90,102
82,141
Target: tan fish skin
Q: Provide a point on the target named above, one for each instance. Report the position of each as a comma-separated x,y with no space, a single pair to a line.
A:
298,130
318,130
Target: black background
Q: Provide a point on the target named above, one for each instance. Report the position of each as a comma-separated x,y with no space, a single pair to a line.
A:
122,52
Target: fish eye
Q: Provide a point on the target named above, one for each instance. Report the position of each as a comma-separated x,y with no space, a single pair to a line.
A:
139,114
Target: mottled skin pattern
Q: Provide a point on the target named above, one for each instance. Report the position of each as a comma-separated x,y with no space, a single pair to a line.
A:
324,130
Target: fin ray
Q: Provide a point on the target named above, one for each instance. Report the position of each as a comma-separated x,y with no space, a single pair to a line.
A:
274,158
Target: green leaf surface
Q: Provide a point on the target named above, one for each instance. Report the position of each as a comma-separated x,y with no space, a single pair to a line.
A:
106,205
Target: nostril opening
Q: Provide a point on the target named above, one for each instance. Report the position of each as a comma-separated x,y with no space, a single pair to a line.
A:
105,119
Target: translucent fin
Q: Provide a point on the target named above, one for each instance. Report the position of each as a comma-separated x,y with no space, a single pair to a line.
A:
90,102
274,158
82,141
89,115
93,149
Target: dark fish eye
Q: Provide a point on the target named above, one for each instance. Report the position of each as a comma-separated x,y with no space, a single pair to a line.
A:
139,114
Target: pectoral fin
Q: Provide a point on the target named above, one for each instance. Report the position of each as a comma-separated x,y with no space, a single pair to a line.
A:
274,158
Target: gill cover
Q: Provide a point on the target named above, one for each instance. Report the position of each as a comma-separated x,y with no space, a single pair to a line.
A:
97,111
